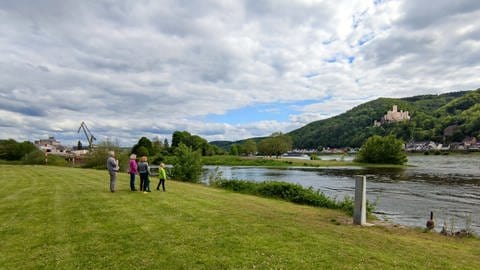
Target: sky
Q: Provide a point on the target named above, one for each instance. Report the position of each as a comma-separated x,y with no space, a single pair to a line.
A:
223,70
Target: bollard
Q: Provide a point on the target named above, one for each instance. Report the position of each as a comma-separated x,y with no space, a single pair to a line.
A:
360,207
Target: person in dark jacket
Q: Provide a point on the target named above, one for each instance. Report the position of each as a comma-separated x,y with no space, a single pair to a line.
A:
144,171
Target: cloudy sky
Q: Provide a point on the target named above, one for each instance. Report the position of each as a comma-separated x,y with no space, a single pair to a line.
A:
224,70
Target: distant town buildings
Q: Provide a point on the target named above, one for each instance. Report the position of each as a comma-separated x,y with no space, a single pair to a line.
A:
54,147
393,116
50,145
469,144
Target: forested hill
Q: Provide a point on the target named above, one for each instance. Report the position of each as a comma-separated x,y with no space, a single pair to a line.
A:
430,115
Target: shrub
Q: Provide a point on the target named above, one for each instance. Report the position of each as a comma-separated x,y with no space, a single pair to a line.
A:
386,150
38,157
158,159
187,165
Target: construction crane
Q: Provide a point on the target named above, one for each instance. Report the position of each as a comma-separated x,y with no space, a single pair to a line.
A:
88,134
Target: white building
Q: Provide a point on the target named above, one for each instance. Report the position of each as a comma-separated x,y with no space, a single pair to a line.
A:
50,145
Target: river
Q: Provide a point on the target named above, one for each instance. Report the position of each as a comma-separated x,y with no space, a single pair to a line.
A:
447,185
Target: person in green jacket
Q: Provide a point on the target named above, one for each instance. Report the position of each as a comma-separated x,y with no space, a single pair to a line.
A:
162,175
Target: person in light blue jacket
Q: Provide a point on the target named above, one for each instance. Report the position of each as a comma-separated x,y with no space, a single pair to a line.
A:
112,167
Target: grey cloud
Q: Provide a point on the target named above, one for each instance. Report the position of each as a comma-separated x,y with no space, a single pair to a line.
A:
212,63
384,51
422,14
220,130
98,63
21,108
43,68
287,12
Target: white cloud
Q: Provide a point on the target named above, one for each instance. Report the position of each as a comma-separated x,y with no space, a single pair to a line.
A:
148,68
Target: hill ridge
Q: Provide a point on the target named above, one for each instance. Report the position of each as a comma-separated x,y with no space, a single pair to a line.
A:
430,115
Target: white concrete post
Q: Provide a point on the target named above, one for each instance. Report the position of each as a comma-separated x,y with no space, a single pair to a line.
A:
360,207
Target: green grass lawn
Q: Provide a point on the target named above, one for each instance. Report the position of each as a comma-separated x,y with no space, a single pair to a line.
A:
64,218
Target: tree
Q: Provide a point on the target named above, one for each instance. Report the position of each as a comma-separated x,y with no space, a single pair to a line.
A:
384,150
277,144
156,146
234,150
146,143
142,151
165,143
187,165
250,147
79,145
194,141
179,137
13,150
198,143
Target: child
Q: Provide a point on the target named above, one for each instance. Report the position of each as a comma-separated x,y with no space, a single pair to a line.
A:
163,176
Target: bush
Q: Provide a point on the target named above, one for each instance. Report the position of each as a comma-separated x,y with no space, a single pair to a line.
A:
158,159
13,150
97,157
34,158
187,165
384,150
289,192
38,158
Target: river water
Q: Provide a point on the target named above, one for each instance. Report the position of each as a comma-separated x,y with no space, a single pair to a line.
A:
447,185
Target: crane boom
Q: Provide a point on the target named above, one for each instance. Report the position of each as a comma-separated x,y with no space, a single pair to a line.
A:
88,134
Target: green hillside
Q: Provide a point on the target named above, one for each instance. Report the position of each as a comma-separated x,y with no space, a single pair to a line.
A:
430,115
63,218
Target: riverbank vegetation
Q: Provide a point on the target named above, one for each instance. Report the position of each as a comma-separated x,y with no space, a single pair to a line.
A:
66,218
225,160
289,192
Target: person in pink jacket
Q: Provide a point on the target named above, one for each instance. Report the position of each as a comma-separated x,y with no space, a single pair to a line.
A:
133,171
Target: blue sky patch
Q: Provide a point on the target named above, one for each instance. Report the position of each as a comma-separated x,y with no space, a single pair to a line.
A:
312,75
261,112
366,38
331,60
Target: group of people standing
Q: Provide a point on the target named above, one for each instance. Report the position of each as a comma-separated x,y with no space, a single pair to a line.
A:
142,169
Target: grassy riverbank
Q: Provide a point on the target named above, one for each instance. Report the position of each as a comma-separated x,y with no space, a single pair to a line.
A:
285,162
64,218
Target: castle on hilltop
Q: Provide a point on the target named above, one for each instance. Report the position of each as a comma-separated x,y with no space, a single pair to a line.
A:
393,116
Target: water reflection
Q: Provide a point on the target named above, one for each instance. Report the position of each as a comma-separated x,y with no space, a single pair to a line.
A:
447,185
